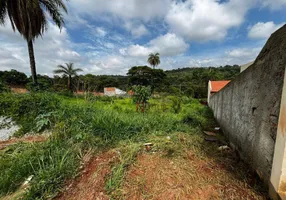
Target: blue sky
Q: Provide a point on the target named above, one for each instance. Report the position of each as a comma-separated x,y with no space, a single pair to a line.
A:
109,37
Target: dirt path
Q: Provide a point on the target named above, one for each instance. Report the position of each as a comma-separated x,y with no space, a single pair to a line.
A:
91,184
156,177
174,169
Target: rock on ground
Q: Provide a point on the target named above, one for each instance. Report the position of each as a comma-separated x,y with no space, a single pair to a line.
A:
6,132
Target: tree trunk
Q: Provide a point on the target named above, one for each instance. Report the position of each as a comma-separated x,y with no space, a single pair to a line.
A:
32,62
69,83
143,107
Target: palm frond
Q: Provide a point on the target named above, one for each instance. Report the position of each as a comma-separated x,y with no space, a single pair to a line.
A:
52,7
154,59
28,16
62,67
3,11
77,70
59,71
68,69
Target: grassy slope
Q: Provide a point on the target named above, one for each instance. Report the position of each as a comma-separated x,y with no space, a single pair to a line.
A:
99,123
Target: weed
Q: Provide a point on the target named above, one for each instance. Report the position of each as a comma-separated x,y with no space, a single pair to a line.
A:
99,123
127,155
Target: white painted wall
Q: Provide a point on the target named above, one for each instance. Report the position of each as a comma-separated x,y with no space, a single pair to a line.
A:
245,66
209,91
278,173
117,92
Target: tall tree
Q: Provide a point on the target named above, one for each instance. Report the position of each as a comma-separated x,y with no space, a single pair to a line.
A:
69,71
154,59
146,76
30,19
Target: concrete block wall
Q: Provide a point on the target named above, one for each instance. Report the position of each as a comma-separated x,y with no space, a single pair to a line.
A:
248,108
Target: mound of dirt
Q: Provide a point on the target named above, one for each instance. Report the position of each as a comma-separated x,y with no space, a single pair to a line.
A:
91,183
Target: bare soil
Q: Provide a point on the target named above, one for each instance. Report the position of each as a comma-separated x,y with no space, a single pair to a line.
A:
157,177
90,185
28,139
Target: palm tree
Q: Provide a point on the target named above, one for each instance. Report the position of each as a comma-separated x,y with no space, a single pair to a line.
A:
30,19
69,71
154,59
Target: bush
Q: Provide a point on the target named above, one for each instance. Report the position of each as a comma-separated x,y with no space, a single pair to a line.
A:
176,104
4,88
25,108
65,92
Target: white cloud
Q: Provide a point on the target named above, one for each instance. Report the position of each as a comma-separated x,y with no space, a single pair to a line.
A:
111,64
100,32
127,9
138,50
204,20
167,45
52,49
136,30
262,30
67,54
273,4
246,53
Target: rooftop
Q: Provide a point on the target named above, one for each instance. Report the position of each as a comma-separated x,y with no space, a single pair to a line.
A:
218,85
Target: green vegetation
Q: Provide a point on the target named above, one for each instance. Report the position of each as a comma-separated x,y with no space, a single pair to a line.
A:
13,77
4,88
190,82
68,71
78,125
154,59
141,96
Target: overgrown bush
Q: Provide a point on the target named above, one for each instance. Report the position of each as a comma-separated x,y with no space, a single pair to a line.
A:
4,88
25,108
176,104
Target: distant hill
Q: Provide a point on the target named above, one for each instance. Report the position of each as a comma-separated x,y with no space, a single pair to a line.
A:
193,81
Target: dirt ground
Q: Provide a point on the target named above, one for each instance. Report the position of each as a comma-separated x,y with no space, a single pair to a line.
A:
154,176
157,177
90,185
30,139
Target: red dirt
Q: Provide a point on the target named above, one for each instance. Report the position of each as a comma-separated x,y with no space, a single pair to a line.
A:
29,139
91,183
154,177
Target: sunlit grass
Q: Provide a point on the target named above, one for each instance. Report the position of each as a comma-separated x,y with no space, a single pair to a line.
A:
78,124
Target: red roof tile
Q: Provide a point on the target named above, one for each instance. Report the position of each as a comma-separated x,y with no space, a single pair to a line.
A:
218,85
110,89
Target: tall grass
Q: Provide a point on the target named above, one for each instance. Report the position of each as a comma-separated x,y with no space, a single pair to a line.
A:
77,124
48,162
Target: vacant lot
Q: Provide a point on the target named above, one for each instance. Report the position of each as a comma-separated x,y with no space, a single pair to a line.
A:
95,150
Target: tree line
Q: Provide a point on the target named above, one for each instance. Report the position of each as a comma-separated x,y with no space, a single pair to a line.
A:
188,81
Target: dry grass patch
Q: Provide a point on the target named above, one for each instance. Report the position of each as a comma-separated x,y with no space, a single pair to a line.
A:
179,168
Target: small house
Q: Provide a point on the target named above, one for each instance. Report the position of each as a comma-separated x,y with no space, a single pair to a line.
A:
113,91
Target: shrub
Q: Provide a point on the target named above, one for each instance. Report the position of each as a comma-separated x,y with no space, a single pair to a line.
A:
25,108
4,88
176,104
